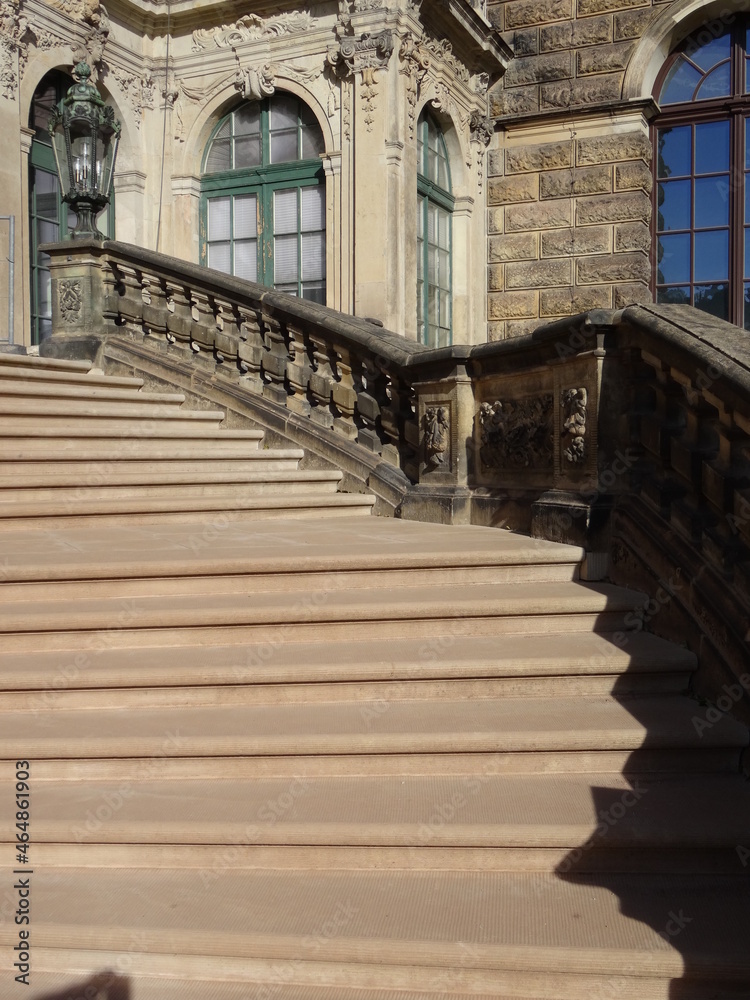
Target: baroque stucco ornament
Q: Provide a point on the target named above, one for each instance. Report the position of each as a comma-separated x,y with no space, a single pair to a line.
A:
517,433
257,82
250,28
70,300
415,62
365,55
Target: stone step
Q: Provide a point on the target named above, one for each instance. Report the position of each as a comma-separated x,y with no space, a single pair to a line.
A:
71,498
525,661
34,412
160,447
600,819
504,933
181,509
421,726
72,439
11,374
127,468
534,608
155,475
34,363
24,391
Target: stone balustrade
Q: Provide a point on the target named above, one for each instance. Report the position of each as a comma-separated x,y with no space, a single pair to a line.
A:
626,432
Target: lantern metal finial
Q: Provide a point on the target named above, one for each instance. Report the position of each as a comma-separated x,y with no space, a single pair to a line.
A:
85,135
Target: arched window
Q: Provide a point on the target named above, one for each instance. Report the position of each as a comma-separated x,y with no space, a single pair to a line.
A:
263,197
702,162
50,219
434,236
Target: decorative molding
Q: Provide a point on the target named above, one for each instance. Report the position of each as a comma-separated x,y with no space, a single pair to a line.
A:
250,28
14,29
91,50
573,403
436,427
481,130
70,299
138,91
257,82
517,433
415,63
442,50
365,55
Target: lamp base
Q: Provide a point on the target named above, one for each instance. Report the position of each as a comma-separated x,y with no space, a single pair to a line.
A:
87,208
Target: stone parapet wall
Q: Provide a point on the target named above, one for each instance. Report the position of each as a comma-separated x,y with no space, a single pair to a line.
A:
569,175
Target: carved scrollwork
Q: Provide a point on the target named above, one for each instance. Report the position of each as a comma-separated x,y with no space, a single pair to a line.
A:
415,62
517,433
250,28
436,427
573,403
365,55
70,300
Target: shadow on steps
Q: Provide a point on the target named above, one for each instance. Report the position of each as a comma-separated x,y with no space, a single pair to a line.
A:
104,985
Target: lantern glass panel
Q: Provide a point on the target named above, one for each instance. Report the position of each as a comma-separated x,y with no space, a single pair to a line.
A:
106,161
61,160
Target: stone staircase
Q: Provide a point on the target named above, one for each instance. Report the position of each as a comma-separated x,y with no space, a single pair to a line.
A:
276,755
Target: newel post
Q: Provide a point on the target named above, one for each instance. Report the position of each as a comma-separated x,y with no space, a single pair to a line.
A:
78,300
445,419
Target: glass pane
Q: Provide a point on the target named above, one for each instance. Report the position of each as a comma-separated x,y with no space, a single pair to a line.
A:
283,146
283,112
246,151
220,156
432,266
443,268
315,292
674,152
711,147
41,110
718,83
285,259
674,206
432,224
47,232
247,120
713,299
219,257
312,211
674,259
673,296
45,293
747,197
245,217
746,272
681,81
747,307
444,229
218,219
313,251
712,256
285,211
707,51
246,260
312,142
747,144
711,201
224,130
433,306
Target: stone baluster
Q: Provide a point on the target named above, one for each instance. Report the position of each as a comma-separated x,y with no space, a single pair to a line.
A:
394,416
131,297
154,305
112,291
322,381
179,314
250,349
203,327
226,336
299,371
370,396
275,360
344,396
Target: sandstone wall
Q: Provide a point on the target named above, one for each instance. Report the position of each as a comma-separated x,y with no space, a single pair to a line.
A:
569,176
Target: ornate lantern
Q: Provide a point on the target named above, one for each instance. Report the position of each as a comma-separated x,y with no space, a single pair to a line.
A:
85,134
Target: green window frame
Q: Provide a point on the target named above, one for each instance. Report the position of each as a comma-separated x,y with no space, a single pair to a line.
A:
263,197
434,236
50,219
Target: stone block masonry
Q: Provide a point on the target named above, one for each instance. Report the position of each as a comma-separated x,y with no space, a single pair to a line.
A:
569,173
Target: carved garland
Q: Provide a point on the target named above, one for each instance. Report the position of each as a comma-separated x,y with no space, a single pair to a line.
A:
517,433
573,403
436,427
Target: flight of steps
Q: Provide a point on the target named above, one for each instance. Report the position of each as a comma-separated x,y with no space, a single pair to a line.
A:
337,757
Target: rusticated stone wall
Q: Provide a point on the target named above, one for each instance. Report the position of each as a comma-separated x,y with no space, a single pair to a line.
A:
569,175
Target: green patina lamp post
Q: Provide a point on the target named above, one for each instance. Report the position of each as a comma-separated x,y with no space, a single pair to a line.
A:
85,134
